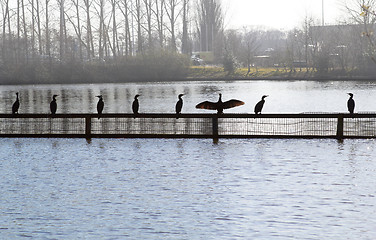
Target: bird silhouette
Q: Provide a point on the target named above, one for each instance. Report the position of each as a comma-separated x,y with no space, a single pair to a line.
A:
260,105
16,105
351,103
100,105
179,105
219,106
53,105
135,104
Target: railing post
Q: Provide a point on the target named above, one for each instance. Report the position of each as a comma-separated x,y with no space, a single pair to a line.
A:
88,127
340,127
215,129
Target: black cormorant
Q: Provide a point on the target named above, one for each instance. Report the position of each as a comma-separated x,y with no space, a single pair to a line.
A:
351,103
16,105
135,104
260,105
53,105
100,105
219,106
179,105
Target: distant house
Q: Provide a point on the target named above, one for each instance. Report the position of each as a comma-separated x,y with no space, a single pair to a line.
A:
201,58
263,61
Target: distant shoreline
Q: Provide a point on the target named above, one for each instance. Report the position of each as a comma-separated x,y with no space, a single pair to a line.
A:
204,79
329,78
192,73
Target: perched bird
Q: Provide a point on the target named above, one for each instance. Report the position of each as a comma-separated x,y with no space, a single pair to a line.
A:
100,105
135,104
219,106
179,105
260,105
351,103
16,105
53,105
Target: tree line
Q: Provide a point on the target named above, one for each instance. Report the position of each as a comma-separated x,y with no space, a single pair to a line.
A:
346,48
48,39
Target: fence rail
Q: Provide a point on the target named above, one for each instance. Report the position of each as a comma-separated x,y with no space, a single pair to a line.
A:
307,125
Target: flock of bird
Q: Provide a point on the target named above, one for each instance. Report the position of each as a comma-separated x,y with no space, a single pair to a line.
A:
219,105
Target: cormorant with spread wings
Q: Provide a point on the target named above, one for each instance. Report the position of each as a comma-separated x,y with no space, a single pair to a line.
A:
219,106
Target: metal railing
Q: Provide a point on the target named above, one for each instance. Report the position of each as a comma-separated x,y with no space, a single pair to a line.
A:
312,125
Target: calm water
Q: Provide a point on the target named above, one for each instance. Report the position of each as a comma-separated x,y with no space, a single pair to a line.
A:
284,96
189,188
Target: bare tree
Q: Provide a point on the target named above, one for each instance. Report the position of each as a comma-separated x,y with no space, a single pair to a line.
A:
363,12
149,11
138,18
159,15
39,29
124,7
185,49
77,27
62,31
32,28
5,10
115,45
48,41
250,44
26,50
17,49
210,23
102,40
172,12
89,35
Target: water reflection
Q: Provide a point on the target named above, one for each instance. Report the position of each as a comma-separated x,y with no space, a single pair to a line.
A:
284,96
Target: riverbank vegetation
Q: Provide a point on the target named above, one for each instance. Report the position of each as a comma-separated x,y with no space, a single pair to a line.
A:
269,73
93,41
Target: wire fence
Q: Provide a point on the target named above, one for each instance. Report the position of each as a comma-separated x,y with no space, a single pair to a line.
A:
278,126
152,126
189,125
39,125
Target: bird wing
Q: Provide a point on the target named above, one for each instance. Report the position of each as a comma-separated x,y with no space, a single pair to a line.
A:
15,106
232,103
207,105
259,106
135,106
100,107
179,106
350,104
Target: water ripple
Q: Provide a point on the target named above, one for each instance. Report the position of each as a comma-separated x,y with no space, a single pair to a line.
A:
187,189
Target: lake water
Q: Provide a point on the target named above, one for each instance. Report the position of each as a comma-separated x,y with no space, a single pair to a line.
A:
284,96
189,188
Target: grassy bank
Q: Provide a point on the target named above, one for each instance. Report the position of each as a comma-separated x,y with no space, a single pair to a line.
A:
214,72
170,71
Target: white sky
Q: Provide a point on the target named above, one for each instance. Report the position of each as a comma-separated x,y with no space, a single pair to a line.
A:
280,14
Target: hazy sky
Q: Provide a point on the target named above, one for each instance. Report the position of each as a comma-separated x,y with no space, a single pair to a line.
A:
281,14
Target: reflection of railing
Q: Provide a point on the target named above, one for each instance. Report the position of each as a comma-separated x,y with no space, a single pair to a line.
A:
323,125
